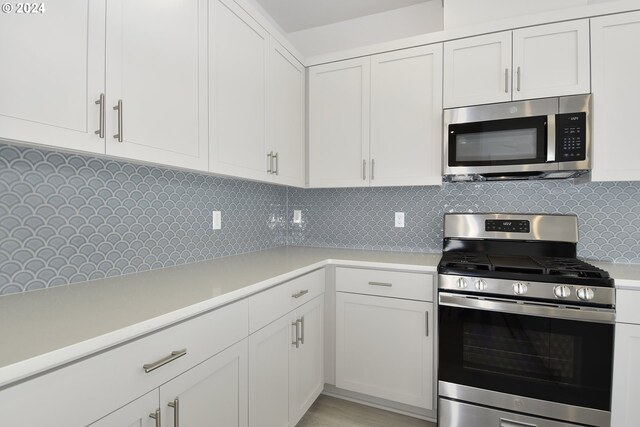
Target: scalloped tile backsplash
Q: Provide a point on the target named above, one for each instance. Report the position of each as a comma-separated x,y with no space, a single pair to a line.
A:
67,218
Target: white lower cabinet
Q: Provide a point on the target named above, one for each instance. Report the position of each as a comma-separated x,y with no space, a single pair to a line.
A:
385,335
213,393
286,366
625,411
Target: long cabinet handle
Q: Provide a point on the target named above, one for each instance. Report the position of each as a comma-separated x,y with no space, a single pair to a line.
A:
384,284
299,294
118,108
277,169
296,342
170,358
302,332
506,80
518,78
100,102
270,159
176,412
364,169
156,416
373,168
426,322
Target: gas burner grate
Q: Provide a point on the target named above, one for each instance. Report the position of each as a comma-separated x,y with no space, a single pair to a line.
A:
466,261
571,267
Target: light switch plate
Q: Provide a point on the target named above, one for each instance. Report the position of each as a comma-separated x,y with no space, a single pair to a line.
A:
217,220
297,217
400,219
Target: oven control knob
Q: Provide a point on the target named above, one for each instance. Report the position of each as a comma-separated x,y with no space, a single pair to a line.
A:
562,291
462,283
519,288
585,294
481,285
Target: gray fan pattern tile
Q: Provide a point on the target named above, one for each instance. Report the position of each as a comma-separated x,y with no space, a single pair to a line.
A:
363,218
67,218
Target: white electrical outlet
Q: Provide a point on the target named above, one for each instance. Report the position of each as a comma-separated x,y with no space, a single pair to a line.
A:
217,220
297,217
399,219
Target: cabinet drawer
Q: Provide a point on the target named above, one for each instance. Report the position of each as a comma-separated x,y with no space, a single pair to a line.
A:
85,391
273,303
416,286
627,302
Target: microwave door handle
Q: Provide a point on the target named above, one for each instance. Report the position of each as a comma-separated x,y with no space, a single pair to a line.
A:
551,138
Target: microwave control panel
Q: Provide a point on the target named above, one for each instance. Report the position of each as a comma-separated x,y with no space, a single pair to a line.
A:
571,129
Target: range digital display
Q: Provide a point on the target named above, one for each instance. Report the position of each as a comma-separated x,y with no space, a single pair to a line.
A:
507,226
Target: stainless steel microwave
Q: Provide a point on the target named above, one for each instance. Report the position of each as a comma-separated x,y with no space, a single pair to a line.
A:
539,139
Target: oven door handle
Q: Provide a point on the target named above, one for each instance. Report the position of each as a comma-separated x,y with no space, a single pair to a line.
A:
585,314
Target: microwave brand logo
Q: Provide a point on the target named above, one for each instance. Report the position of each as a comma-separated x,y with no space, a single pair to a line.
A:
513,110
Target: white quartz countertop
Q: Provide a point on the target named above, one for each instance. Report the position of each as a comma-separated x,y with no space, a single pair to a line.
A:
626,276
44,329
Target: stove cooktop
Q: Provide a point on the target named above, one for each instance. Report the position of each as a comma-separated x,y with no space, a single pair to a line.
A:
530,268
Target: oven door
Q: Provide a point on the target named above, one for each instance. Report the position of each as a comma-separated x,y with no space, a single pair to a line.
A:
538,351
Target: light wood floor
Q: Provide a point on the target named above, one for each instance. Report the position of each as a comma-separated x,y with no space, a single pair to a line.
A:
331,412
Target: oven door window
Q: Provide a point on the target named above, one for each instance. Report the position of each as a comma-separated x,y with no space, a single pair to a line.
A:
498,142
543,358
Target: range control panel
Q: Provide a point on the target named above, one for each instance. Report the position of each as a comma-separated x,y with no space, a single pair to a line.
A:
507,226
571,132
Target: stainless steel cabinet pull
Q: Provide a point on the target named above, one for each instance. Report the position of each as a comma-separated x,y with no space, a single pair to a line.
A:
388,285
118,108
270,157
364,169
296,325
170,358
176,412
518,74
100,102
506,80
426,322
156,416
509,423
277,170
373,168
302,327
299,294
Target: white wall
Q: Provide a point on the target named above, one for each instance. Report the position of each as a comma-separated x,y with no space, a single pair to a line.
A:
461,13
382,27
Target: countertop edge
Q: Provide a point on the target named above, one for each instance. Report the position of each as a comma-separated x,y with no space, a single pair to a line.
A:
39,365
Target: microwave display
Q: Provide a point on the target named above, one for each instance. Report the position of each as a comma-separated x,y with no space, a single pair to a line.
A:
570,137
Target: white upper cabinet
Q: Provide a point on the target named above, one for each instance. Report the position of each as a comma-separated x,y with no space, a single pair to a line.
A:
477,70
551,60
287,118
406,117
339,124
238,79
542,61
615,67
52,74
156,72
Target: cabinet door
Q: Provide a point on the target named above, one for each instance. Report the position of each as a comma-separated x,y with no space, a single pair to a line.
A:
384,348
616,90
308,370
238,60
156,67
406,117
339,124
477,70
551,60
270,372
213,393
625,411
52,74
135,414
287,117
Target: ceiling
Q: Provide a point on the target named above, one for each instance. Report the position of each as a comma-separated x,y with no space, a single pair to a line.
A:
296,15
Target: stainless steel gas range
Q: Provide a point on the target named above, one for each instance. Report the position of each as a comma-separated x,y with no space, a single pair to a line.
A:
526,329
